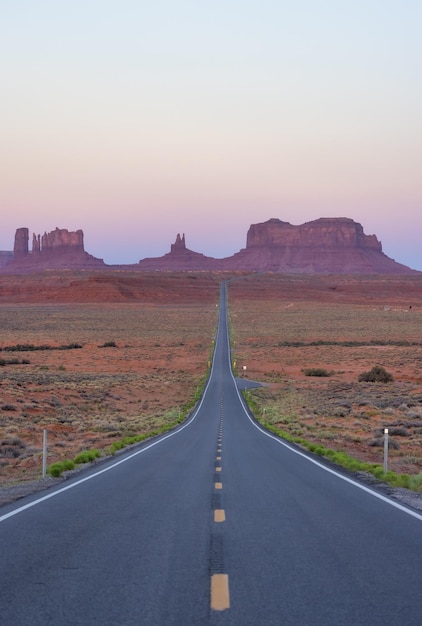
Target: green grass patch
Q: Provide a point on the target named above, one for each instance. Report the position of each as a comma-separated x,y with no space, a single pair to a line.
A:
86,456
56,469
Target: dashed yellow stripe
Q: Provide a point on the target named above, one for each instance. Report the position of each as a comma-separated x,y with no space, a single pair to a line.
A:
219,515
220,596
218,485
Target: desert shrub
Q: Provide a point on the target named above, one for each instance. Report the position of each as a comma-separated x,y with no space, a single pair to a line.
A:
116,445
416,482
86,456
11,447
108,344
348,343
56,469
30,347
316,371
15,441
8,407
4,362
68,464
378,442
399,431
377,374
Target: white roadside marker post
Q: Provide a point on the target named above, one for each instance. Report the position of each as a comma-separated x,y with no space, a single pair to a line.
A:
385,450
44,453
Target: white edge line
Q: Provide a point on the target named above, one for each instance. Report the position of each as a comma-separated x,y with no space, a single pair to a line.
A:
396,505
127,458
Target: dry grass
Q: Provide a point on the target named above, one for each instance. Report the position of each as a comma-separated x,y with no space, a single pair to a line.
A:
91,396
336,411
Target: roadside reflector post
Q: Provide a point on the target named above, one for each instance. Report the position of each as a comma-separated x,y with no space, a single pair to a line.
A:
44,453
385,450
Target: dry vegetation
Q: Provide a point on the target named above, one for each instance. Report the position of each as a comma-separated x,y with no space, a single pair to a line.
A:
289,331
145,341
136,367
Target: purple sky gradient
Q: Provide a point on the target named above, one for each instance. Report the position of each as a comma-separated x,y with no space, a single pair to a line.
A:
135,121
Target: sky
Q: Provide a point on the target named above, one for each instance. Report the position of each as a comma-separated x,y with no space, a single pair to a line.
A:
136,120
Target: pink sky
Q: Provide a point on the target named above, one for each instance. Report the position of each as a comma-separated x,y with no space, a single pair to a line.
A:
138,122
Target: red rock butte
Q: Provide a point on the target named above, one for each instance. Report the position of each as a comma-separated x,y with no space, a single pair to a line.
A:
59,249
323,246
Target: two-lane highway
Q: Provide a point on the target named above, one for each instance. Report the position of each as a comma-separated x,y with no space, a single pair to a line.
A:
218,523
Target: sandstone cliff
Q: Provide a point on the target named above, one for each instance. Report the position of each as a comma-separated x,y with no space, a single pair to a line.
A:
59,249
323,246
180,258
326,245
326,232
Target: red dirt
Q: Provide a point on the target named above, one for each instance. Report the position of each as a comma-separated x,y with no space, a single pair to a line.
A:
163,324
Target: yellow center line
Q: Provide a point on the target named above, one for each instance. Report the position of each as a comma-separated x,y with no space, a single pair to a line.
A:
220,596
218,458
218,485
218,469
219,515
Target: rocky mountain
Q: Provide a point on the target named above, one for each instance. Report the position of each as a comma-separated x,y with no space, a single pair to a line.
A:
179,258
59,249
323,246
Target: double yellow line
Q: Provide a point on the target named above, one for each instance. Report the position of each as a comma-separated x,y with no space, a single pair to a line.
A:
220,594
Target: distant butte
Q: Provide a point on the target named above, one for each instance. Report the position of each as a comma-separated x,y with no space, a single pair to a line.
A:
179,259
335,245
324,246
59,249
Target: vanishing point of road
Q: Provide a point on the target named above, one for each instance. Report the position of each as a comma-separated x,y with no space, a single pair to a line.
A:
216,523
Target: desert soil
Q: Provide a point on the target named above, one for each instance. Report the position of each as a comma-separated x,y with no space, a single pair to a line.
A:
345,326
145,344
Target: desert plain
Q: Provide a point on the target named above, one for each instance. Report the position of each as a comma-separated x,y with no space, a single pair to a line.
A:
93,357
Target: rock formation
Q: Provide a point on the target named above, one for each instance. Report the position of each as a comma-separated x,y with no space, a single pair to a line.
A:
324,246
20,249
59,249
326,232
180,258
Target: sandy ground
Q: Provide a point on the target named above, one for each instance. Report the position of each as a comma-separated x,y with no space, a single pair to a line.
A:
124,355
345,332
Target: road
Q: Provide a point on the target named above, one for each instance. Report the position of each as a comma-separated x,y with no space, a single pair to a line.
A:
216,524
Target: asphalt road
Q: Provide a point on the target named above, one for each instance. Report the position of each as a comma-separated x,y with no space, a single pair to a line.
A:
219,523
